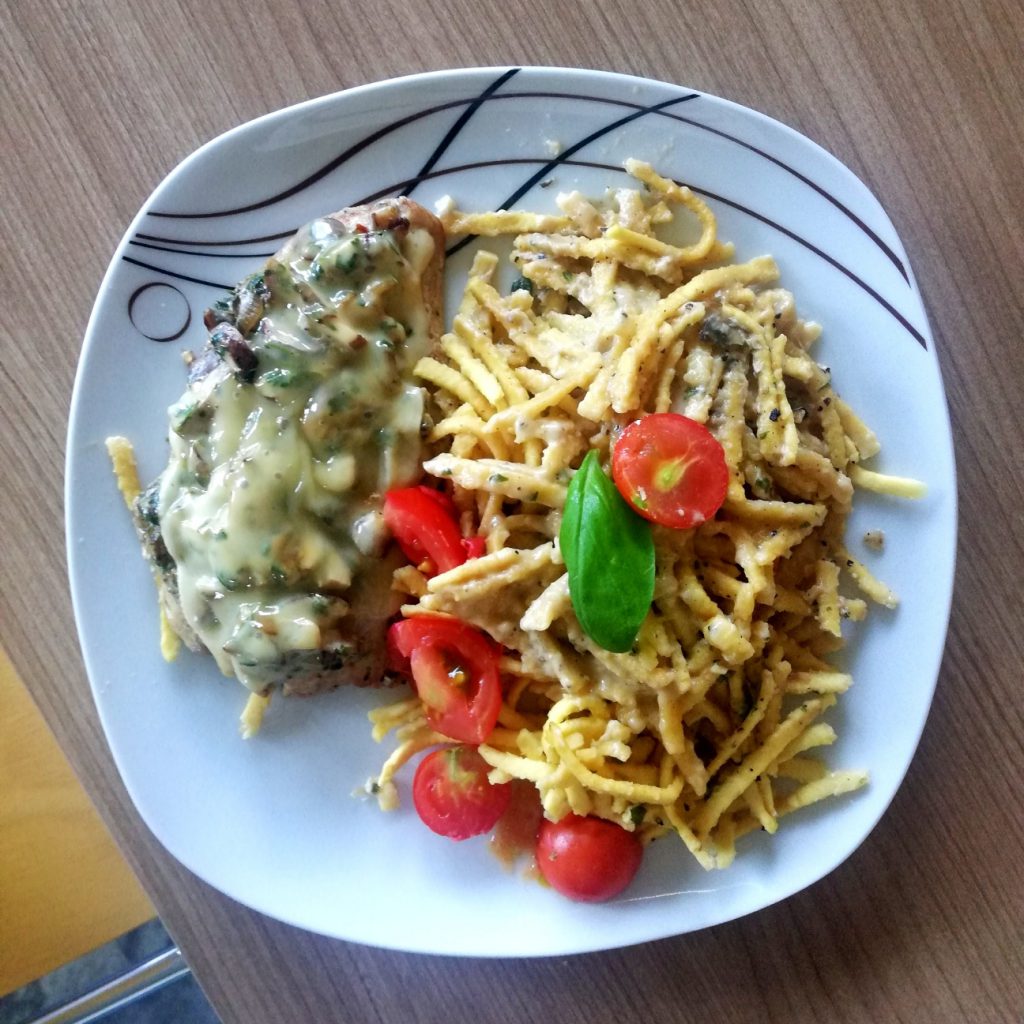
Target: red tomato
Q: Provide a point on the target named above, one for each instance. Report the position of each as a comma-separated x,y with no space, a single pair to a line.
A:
671,470
587,859
424,523
453,796
442,500
454,668
475,547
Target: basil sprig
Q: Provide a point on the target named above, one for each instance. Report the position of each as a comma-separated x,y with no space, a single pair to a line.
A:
609,552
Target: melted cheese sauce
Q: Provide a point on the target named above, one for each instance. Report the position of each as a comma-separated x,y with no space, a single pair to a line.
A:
270,503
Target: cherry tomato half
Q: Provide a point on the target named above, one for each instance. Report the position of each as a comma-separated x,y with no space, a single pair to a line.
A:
671,470
454,668
453,796
475,547
587,859
424,522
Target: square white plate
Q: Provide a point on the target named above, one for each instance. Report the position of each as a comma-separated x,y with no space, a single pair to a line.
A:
271,822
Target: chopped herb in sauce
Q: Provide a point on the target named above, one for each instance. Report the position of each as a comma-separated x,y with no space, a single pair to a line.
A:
258,500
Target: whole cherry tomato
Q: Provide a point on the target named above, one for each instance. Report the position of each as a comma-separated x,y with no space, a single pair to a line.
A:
587,859
453,796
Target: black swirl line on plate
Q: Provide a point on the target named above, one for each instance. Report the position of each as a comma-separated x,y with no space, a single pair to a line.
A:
406,188
842,268
426,173
207,255
563,157
823,192
139,292
177,276
714,197
198,242
533,161
775,225
410,186
332,165
529,94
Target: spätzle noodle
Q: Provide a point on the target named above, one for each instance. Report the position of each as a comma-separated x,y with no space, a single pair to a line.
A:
126,473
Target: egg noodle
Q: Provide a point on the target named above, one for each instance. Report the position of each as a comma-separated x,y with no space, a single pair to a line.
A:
707,727
126,472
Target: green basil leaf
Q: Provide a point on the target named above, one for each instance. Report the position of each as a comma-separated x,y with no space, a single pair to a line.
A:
609,553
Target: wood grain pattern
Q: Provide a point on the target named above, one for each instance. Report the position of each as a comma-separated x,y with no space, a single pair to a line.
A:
924,101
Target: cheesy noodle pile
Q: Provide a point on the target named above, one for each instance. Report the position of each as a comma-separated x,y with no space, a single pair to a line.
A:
708,727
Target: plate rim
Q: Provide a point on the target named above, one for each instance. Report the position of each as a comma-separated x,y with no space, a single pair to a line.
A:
670,926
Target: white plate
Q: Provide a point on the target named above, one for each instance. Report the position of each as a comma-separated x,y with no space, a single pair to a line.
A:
271,822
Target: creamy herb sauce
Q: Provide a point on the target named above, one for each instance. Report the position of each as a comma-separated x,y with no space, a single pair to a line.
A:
270,503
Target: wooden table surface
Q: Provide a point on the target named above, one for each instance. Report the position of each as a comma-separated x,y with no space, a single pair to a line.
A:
53,907
925,102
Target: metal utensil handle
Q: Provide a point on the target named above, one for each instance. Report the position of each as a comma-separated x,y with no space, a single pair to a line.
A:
138,982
